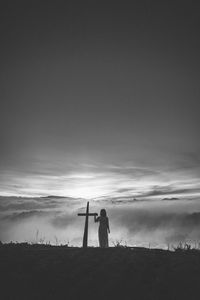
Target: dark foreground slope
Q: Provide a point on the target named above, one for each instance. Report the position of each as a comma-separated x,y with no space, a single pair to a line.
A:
41,272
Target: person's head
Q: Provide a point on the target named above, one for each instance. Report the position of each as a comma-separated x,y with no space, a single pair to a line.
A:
103,213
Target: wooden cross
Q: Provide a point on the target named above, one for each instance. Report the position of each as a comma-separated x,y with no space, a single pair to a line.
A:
86,215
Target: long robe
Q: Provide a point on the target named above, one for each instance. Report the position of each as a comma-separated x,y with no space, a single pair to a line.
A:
103,231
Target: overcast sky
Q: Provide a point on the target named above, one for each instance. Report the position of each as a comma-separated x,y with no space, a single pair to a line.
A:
99,100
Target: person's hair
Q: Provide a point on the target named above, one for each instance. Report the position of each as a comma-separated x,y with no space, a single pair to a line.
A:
103,213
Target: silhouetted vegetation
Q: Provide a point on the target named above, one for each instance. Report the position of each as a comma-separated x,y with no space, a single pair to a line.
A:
62,272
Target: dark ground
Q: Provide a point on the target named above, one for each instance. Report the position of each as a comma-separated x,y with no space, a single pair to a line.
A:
58,272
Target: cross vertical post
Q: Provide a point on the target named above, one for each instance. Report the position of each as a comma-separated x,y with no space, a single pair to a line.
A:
85,235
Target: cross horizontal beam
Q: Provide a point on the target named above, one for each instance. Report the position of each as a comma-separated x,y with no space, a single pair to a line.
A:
90,214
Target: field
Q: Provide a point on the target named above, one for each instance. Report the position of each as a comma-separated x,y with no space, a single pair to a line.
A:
61,272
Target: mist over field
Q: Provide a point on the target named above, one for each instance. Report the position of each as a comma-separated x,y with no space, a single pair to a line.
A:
157,223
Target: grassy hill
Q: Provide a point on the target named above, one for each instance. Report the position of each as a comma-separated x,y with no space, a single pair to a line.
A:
60,272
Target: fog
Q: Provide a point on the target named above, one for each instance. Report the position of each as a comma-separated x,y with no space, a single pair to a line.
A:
154,223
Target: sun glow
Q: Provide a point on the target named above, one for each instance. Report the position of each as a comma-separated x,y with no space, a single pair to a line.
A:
84,192
88,185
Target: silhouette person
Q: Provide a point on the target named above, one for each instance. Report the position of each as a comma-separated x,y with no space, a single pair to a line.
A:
104,228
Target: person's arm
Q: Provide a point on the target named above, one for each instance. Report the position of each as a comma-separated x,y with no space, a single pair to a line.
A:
96,219
108,225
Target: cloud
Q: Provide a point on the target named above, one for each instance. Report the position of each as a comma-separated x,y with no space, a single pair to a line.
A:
21,216
35,203
22,206
136,221
93,180
170,199
156,224
171,190
63,220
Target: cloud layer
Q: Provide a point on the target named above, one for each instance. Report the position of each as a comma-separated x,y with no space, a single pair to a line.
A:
94,180
137,222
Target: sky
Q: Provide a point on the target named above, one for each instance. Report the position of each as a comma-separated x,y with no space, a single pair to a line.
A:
99,102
